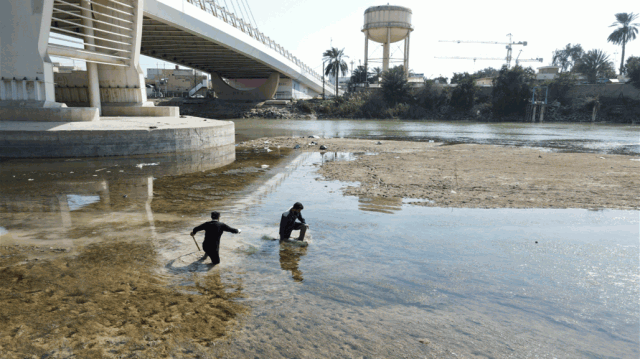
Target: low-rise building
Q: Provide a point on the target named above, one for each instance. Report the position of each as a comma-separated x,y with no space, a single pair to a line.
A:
484,82
546,73
175,82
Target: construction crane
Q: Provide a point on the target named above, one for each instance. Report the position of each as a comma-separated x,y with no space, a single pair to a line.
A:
508,47
487,58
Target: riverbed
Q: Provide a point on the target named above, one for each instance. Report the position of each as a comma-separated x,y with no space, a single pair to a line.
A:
96,260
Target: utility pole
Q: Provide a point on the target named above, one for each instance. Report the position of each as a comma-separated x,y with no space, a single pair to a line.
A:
352,67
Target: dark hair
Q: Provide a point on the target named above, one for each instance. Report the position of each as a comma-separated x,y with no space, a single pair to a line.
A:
215,215
298,205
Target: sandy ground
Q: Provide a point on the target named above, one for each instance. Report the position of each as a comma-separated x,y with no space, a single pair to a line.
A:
106,302
479,176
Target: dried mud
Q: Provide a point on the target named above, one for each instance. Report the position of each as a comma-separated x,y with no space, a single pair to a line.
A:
477,176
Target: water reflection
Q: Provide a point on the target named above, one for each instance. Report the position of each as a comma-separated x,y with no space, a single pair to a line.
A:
388,205
598,138
290,260
59,199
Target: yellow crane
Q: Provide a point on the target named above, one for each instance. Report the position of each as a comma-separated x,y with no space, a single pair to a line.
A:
509,47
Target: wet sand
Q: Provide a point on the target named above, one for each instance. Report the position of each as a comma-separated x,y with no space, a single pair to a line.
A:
477,176
107,301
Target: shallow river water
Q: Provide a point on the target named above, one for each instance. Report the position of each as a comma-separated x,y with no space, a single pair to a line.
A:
382,278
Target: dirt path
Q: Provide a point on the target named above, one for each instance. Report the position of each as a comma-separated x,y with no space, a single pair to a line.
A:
479,176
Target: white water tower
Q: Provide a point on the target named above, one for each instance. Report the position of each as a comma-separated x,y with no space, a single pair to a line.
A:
386,25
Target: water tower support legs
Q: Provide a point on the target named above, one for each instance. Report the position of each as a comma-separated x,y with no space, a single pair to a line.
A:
366,55
385,52
406,55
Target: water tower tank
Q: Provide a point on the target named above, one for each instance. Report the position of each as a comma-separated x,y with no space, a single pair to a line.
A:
387,24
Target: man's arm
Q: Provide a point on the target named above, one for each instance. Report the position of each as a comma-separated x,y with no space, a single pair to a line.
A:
198,229
300,218
230,229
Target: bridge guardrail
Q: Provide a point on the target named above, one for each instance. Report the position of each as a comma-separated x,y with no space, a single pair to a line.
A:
230,18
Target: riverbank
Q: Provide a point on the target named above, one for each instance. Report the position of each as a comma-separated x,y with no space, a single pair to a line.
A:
366,108
476,176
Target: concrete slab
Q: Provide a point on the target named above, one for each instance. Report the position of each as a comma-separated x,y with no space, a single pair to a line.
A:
113,136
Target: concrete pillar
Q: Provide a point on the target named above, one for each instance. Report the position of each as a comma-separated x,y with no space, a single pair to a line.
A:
92,67
385,51
406,53
542,113
24,35
122,85
533,117
366,52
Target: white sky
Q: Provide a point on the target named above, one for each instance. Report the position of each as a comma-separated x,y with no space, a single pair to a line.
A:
308,27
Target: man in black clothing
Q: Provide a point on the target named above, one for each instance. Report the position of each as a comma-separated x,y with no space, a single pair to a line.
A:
212,233
288,222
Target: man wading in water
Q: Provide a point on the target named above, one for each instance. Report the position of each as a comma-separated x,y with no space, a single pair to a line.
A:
288,222
212,233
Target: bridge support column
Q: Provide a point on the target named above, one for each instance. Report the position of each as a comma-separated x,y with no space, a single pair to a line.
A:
266,91
26,72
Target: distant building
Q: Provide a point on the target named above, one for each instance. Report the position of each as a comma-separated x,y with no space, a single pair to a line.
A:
547,73
484,82
175,82
64,69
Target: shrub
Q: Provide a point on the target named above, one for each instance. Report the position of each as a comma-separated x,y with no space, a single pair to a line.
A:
462,96
395,87
511,91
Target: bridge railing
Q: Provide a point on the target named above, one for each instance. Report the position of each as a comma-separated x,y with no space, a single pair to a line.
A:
230,18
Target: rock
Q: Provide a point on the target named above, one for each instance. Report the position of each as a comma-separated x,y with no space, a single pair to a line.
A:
323,147
313,143
314,136
378,143
296,147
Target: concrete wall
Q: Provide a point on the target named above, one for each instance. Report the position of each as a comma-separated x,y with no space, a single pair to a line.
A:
111,137
605,90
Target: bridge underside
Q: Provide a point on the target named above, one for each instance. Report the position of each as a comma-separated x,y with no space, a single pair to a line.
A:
165,42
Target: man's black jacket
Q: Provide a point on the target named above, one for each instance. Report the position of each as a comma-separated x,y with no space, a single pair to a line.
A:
288,223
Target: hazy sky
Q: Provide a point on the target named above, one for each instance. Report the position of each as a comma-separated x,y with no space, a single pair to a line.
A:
307,28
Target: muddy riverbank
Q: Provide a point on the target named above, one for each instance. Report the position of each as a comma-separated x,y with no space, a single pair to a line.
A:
476,176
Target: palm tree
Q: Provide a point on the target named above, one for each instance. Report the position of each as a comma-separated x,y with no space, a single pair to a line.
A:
377,72
624,33
359,76
336,64
593,63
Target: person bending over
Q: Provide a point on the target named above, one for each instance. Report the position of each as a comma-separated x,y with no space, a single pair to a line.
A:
288,222
212,232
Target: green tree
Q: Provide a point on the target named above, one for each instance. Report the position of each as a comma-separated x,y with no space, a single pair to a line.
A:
567,58
625,32
377,73
441,79
359,76
486,72
512,90
633,71
462,96
593,64
560,86
395,87
335,64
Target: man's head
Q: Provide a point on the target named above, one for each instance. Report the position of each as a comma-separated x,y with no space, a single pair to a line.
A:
298,206
215,215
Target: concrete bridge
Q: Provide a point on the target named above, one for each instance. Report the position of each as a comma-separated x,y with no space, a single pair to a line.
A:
110,35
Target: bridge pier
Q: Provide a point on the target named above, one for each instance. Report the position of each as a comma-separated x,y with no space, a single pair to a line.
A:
266,91
43,114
